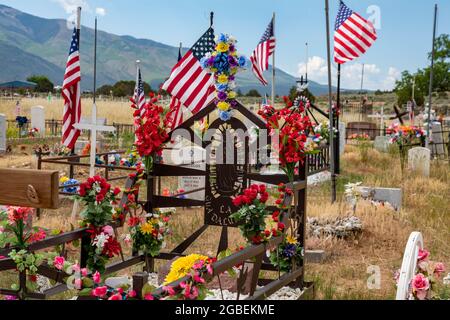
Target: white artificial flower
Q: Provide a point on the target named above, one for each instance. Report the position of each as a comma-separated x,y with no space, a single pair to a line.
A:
100,240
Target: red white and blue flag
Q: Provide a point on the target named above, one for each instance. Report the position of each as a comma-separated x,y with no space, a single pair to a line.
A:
260,57
189,82
71,92
353,35
139,95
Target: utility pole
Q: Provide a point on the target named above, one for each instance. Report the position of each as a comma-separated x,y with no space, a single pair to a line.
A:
430,91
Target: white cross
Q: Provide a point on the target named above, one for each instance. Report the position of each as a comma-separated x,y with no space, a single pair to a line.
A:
93,127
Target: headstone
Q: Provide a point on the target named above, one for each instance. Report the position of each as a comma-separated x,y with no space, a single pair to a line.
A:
368,128
193,158
2,133
38,119
437,137
382,143
342,137
419,160
393,196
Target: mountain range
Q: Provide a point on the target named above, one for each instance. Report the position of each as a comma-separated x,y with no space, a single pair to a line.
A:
31,45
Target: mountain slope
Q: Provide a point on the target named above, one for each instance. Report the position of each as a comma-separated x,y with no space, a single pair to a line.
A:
34,45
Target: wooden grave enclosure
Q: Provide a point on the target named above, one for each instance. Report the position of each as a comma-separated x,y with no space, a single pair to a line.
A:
222,182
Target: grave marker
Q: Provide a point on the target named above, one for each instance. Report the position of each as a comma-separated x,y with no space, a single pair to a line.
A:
382,143
192,158
368,128
419,160
341,137
437,147
38,119
393,196
2,133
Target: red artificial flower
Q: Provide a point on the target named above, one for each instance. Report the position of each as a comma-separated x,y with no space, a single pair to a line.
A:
116,191
111,248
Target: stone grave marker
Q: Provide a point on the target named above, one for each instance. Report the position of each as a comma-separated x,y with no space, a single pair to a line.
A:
419,160
2,133
382,143
393,196
437,137
341,137
368,128
38,119
191,157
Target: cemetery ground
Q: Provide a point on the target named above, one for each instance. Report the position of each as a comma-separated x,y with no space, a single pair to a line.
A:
344,273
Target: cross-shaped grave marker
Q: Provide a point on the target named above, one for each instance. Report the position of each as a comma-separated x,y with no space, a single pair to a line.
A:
399,115
94,127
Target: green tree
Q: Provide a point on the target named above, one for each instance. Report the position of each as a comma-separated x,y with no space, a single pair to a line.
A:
293,93
105,90
125,88
43,83
253,93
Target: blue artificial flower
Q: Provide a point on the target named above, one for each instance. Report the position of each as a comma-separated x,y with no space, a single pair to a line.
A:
204,62
222,38
221,87
290,250
225,115
69,186
221,62
242,61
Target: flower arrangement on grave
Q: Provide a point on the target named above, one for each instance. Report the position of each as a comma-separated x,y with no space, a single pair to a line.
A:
151,131
253,211
21,121
426,275
70,185
288,255
224,63
59,149
292,127
33,132
322,132
403,136
131,160
148,233
98,198
193,267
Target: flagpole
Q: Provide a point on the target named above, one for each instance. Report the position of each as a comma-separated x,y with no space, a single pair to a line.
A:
273,64
94,110
430,91
337,151
361,93
78,25
330,102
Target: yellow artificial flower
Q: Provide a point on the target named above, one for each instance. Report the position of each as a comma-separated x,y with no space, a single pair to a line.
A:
222,79
214,53
231,94
63,179
291,240
223,106
222,47
182,266
147,228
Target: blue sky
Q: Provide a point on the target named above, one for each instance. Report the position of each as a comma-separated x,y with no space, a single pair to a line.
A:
404,29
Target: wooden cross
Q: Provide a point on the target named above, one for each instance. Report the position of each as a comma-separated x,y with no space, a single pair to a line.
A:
399,115
93,127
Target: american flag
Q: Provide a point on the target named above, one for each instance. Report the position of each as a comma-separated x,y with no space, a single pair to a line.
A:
353,35
71,93
139,95
176,107
260,57
189,82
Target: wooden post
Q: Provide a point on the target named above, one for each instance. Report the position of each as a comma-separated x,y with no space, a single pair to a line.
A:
139,281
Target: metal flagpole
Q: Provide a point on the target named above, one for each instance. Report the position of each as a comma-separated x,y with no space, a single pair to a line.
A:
273,64
361,93
330,102
307,60
78,22
338,107
430,91
94,110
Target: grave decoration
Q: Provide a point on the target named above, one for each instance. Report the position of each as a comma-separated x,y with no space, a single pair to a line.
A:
292,128
425,277
151,131
403,136
70,185
98,198
224,63
41,150
33,132
322,132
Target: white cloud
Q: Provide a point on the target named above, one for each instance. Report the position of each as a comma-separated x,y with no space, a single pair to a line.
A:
351,73
100,11
70,6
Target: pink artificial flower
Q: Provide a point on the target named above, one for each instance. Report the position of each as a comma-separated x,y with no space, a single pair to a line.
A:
420,285
76,268
439,268
2,257
100,291
423,255
10,298
209,268
132,294
116,296
78,283
96,277
148,296
108,230
84,272
194,293
170,291
58,262
198,279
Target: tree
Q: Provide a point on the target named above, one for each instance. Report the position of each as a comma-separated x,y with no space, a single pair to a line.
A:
43,83
293,93
123,88
105,90
253,93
